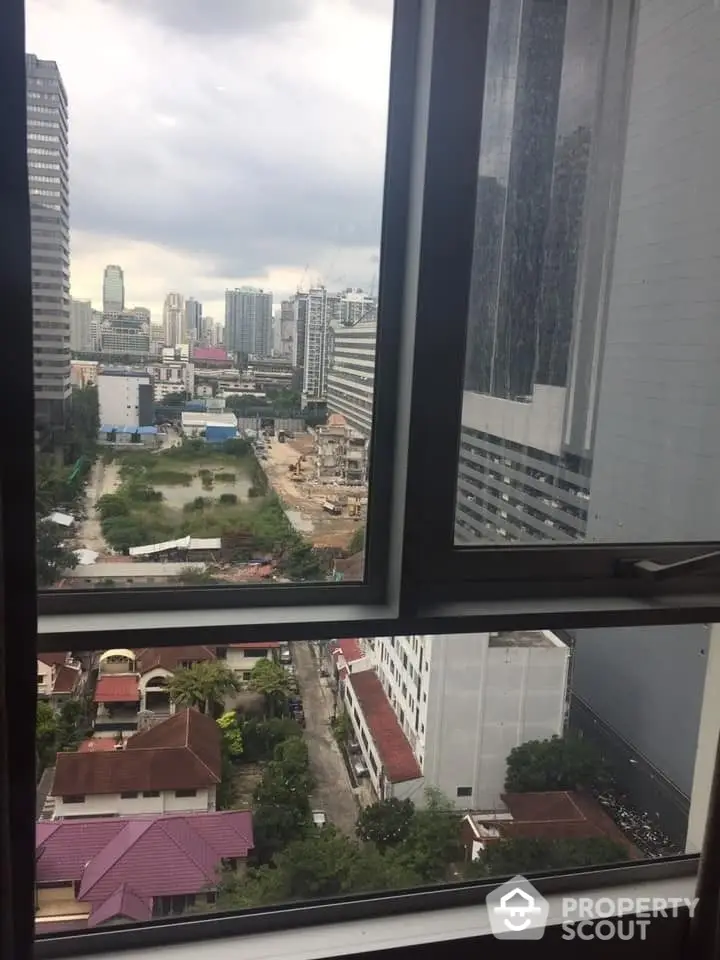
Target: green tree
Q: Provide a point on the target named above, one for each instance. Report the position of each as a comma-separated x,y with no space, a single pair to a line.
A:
534,855
53,556
560,763
46,733
269,678
301,562
231,732
262,736
204,685
433,842
282,799
84,422
357,542
386,823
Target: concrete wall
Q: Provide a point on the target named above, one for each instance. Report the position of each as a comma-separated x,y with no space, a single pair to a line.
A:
45,679
483,701
537,423
123,400
112,805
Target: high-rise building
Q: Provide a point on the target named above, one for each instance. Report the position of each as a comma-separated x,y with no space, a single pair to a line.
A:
126,398
81,318
248,321
193,319
300,311
320,311
549,171
125,334
445,711
351,374
355,306
113,289
174,319
47,149
287,328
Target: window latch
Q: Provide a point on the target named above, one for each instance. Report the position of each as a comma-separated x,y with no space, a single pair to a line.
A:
650,570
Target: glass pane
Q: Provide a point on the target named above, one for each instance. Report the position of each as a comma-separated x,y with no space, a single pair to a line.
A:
357,765
590,405
206,203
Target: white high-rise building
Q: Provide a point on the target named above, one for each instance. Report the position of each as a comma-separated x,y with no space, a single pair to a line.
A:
445,711
320,311
81,319
355,306
351,374
174,320
113,289
47,154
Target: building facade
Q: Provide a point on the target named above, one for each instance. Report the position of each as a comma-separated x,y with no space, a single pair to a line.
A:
126,398
47,148
351,374
356,306
174,376
174,320
462,704
125,334
248,321
113,289
193,319
320,309
81,318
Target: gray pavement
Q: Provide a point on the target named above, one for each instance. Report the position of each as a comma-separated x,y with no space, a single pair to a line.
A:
334,793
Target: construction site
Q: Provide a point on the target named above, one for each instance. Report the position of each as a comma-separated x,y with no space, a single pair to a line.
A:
321,477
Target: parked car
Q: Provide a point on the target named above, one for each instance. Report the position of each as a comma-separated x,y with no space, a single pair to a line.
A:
295,703
323,672
285,655
293,685
299,718
360,769
290,670
353,746
319,818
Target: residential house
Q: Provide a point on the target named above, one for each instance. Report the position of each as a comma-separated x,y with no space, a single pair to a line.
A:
59,677
156,666
547,815
94,872
117,694
242,657
170,767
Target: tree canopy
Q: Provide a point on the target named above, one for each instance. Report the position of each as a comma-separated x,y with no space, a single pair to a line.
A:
52,556
203,685
560,763
269,678
386,823
534,855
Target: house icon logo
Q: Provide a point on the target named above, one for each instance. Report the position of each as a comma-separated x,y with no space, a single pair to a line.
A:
517,911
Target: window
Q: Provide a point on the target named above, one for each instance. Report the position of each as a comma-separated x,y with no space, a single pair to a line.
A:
151,793
40,678
464,792
74,798
130,795
185,793
540,439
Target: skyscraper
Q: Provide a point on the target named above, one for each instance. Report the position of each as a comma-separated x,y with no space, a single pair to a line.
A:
321,310
193,319
113,289
174,320
248,321
81,318
47,148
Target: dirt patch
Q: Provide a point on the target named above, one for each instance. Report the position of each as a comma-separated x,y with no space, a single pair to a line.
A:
247,777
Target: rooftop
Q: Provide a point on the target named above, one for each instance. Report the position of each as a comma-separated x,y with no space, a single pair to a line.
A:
126,570
525,638
181,753
211,353
171,658
392,745
117,688
349,648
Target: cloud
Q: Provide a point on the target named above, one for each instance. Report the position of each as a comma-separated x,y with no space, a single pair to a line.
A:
249,151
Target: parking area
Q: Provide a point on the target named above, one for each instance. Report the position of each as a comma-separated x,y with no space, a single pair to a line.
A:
334,793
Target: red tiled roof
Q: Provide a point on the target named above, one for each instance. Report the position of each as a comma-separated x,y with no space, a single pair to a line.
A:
210,353
152,856
52,659
560,815
170,658
125,903
97,745
395,752
181,753
66,679
121,688
350,649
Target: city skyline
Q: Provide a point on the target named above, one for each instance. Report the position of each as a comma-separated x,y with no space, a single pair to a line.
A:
315,220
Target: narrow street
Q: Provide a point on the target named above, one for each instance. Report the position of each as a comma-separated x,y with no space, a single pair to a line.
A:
104,478
334,793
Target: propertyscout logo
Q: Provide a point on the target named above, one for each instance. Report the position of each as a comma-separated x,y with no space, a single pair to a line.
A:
517,911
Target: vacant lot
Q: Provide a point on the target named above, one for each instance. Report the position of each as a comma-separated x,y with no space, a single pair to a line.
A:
248,776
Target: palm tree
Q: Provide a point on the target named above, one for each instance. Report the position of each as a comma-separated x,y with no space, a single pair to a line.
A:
270,679
202,685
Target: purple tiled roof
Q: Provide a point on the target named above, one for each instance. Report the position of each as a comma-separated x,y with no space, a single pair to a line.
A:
154,856
124,902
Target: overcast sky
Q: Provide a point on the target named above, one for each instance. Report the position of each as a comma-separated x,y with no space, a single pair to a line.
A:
215,143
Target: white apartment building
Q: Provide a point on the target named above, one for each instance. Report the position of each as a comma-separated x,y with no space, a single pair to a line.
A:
126,398
351,374
173,376
174,331
452,708
320,306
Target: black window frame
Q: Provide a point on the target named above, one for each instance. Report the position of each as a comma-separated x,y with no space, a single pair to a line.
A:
418,581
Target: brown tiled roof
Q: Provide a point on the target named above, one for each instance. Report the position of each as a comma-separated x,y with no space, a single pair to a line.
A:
66,679
52,659
117,688
560,815
181,753
392,745
170,658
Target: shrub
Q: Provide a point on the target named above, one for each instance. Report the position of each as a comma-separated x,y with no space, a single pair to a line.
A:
199,503
225,477
228,498
207,483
